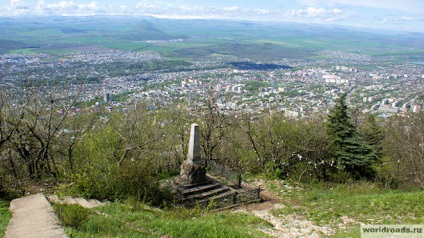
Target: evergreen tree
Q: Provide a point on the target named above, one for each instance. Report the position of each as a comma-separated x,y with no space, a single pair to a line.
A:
348,148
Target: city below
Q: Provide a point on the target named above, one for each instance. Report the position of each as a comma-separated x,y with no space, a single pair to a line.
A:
298,88
244,67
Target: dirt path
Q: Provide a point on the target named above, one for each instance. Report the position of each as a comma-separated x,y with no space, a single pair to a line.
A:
284,226
33,217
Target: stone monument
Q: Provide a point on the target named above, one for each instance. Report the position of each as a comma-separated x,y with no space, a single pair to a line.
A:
192,169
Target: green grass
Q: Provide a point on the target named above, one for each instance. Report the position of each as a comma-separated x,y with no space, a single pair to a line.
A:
348,233
84,39
122,220
325,204
58,52
332,204
24,51
5,216
127,45
277,42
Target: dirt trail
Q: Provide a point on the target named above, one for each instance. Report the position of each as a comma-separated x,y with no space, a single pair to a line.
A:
284,226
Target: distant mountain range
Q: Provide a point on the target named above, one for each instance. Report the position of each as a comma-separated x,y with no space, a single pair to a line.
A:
145,30
201,38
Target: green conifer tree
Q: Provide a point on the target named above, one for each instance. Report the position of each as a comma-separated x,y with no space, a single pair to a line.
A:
348,148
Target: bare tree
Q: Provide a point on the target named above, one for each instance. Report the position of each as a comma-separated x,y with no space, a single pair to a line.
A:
271,137
138,134
403,150
176,126
72,133
37,129
215,125
11,116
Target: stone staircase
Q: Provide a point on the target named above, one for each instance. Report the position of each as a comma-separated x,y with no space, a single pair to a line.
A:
33,216
202,193
91,203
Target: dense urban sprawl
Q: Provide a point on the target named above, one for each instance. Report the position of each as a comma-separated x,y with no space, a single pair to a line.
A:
299,88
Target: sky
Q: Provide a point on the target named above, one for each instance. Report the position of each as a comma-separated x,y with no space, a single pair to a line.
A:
400,15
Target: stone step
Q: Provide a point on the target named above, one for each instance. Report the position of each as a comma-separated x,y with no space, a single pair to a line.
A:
83,203
53,198
68,200
218,196
200,189
61,200
189,186
208,194
95,203
75,200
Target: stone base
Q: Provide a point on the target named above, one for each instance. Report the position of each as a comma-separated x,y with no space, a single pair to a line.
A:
192,173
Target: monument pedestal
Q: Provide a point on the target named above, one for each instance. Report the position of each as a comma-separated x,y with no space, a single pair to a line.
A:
192,173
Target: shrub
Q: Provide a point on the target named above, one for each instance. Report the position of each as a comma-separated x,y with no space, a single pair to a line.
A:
183,213
71,215
8,194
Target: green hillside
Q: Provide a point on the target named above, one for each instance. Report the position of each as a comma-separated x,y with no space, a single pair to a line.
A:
201,38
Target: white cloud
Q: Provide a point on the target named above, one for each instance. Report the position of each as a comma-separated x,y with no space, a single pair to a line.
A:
262,11
316,13
316,3
412,6
68,8
44,7
15,3
233,8
15,8
404,18
337,11
20,7
312,12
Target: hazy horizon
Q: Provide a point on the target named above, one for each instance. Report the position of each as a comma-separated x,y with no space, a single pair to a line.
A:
376,14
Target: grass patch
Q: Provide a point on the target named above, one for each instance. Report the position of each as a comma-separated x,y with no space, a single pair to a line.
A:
123,220
349,205
349,233
5,216
127,45
278,42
